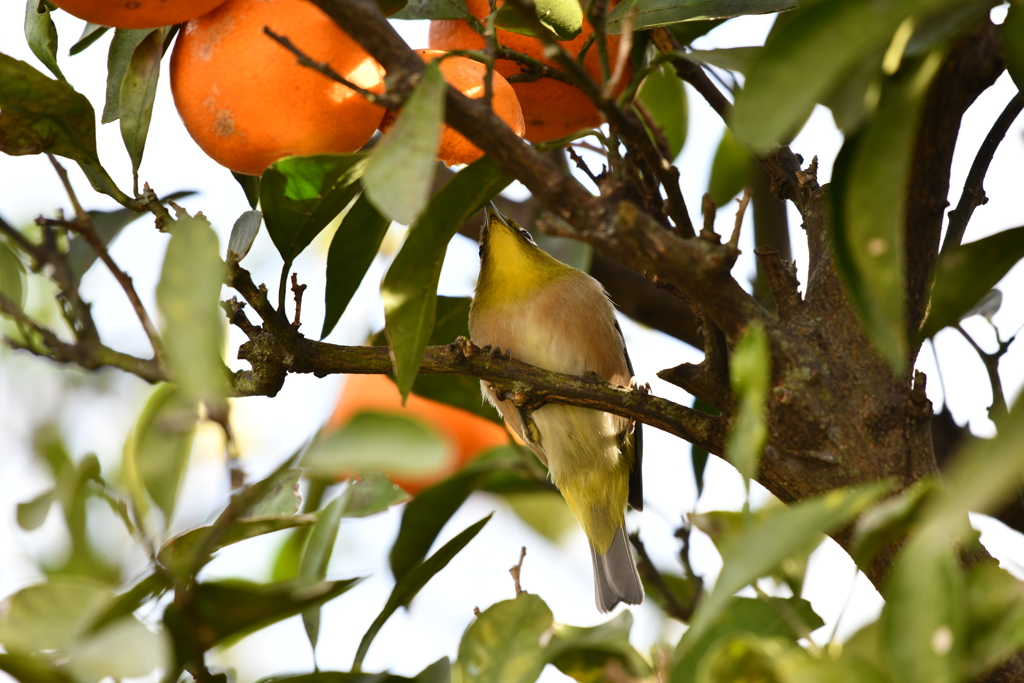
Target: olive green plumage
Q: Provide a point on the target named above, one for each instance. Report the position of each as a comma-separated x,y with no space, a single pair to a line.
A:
559,318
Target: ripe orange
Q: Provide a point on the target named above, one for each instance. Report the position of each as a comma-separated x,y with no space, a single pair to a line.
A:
246,101
469,435
136,13
467,77
552,109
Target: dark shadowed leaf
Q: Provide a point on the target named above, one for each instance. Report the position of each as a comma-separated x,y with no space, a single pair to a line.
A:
689,31
400,170
12,276
250,185
138,92
731,58
995,610
409,585
90,34
730,170
664,96
391,7
28,669
353,248
438,672
503,644
966,274
749,374
699,456
301,195
564,18
410,286
135,597
870,183
888,522
188,296
336,677
1013,43
651,13
854,99
433,9
243,232
41,35
119,56
586,653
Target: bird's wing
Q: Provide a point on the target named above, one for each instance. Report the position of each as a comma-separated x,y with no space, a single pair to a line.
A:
635,441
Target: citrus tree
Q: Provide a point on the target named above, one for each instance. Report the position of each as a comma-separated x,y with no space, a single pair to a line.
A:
807,384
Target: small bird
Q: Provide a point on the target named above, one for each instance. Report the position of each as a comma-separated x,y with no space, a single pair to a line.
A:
556,317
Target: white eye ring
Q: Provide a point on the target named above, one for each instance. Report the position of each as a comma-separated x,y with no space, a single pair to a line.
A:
527,235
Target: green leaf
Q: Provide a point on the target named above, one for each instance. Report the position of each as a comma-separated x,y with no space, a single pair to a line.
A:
280,494
689,31
730,171
372,493
889,522
854,100
250,185
41,35
390,7
749,373
564,18
1013,43
745,615
138,92
32,669
585,654
353,248
699,456
32,513
745,657
337,677
12,276
410,286
51,615
762,546
665,98
90,34
179,554
400,169
731,58
870,183
124,649
243,232
995,609
188,296
301,195
380,441
410,584
231,609
313,566
503,644
159,446
432,9
652,13
808,57
438,672
126,603
119,56
965,274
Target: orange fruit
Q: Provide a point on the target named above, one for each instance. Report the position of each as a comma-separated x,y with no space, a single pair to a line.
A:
467,76
468,435
136,13
552,109
247,102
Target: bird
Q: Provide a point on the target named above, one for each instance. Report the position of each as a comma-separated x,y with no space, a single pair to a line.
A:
551,315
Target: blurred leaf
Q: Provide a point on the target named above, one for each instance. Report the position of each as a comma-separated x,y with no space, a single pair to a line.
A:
138,92
543,511
119,56
353,248
243,232
230,609
699,456
427,513
503,644
995,610
940,26
313,566
32,513
41,35
585,653
807,58
967,273
31,669
762,546
410,286
127,602
564,18
379,441
689,31
90,34
438,672
124,649
373,492
888,522
335,677
250,185
411,583
745,615
869,200
685,590
12,276
49,616
179,554
1013,43
400,169
749,374
188,296
855,98
731,58
281,495
301,195
432,9
987,306
390,7
651,13
159,446
730,171
108,225
665,98
744,657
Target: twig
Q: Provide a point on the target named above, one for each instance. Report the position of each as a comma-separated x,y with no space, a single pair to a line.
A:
297,290
691,72
734,239
708,208
991,361
655,580
622,57
580,164
973,195
515,571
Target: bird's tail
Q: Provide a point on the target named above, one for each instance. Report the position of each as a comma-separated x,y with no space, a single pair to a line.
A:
615,576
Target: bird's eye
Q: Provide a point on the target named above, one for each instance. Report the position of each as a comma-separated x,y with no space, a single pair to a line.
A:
527,235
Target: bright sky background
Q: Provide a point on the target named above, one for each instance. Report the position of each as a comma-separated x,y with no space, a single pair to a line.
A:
96,417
